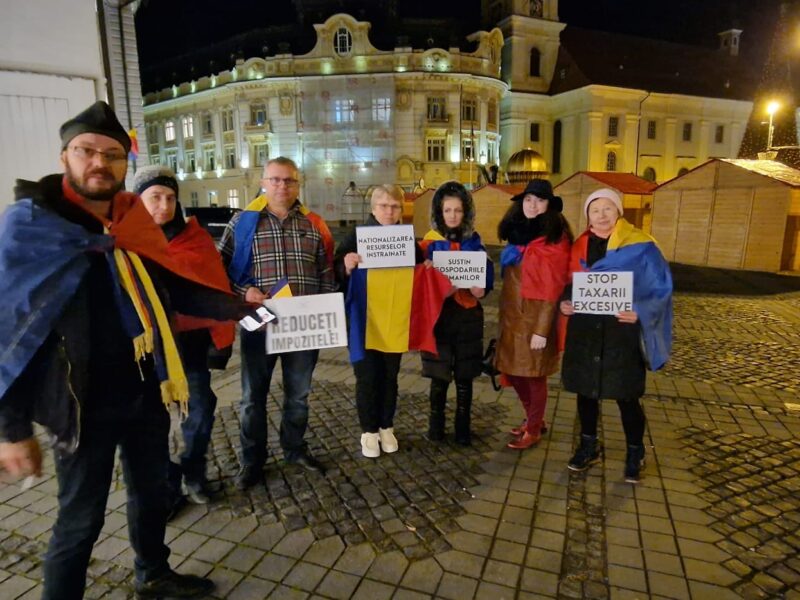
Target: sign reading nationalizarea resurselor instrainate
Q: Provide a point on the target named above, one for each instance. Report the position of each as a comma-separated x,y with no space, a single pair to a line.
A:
306,323
386,246
602,293
465,269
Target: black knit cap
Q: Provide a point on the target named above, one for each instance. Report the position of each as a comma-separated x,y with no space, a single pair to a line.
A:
99,119
541,188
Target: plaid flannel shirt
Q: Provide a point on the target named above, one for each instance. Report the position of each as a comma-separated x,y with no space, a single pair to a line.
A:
291,248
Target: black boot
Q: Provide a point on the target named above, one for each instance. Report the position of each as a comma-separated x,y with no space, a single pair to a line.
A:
586,455
463,411
438,397
634,462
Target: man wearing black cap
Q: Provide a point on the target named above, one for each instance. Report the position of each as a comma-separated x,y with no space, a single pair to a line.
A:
88,352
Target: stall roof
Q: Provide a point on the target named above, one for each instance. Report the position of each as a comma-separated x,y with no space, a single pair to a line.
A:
768,168
627,183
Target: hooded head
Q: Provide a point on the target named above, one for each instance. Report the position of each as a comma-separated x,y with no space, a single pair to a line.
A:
453,189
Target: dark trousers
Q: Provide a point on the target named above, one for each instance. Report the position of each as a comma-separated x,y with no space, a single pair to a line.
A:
630,410
84,479
257,368
376,389
196,427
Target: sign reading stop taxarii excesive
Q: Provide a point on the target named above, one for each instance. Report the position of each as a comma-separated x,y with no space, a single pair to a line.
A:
602,293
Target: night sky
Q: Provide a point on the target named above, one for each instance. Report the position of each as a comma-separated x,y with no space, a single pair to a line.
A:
168,28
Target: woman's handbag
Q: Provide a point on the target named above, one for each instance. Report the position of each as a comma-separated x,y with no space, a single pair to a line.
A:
487,365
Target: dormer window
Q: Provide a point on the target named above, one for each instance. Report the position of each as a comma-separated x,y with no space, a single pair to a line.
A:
342,41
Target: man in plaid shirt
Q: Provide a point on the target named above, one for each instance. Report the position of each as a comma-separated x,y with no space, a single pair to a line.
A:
276,238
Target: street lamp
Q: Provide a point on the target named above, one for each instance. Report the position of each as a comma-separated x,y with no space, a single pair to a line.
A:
772,108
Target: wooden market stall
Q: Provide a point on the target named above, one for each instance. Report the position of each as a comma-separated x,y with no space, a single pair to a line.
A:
636,194
731,213
491,203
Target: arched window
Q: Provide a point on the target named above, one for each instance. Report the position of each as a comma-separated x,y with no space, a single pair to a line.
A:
536,63
611,161
342,41
650,174
682,171
557,147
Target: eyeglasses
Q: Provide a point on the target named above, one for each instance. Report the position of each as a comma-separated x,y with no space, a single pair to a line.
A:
392,207
112,156
287,181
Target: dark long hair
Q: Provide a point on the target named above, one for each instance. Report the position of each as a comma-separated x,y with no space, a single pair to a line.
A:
516,228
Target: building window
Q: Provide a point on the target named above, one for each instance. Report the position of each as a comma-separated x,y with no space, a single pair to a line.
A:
208,124
152,134
342,41
230,157
227,120
613,127
437,108
687,132
436,149
189,161
212,198
491,117
650,174
381,109
557,147
155,159
258,114
209,159
193,197
233,198
491,151
682,171
344,111
261,153
719,134
651,130
188,127
467,149
534,132
611,161
169,131
469,110
172,161
536,63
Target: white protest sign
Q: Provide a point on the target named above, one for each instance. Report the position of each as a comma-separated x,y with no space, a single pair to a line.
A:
602,293
306,323
465,269
386,246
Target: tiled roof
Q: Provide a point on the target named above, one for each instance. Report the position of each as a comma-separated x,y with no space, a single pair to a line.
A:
627,183
597,57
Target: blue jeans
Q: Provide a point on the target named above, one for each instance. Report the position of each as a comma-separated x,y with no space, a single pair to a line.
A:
196,428
84,479
257,368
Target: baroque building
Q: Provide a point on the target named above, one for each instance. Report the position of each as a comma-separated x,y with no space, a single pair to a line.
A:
525,86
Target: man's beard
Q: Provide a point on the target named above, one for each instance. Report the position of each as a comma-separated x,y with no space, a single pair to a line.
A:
106,194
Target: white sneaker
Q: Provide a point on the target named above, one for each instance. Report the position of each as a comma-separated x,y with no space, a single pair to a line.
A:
369,445
388,441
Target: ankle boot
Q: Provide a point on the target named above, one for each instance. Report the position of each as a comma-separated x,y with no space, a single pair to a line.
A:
526,439
463,411
588,453
438,398
634,463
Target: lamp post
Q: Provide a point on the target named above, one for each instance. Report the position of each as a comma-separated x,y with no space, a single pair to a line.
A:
772,108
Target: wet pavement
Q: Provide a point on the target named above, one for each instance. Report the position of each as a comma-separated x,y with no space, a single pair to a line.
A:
717,514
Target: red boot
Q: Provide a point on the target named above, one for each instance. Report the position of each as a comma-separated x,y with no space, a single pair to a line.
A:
526,440
518,431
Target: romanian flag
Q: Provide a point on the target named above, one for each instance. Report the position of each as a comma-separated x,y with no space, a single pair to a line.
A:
281,289
394,309
630,249
133,153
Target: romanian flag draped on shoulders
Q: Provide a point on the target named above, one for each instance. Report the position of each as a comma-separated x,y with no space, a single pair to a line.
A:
394,309
544,267
630,249
240,269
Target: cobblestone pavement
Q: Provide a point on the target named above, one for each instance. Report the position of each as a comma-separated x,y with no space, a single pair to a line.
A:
717,514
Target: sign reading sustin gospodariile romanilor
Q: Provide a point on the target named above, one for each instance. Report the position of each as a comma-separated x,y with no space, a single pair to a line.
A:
465,269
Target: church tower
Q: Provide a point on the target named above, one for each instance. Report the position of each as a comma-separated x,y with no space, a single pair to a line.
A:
531,32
